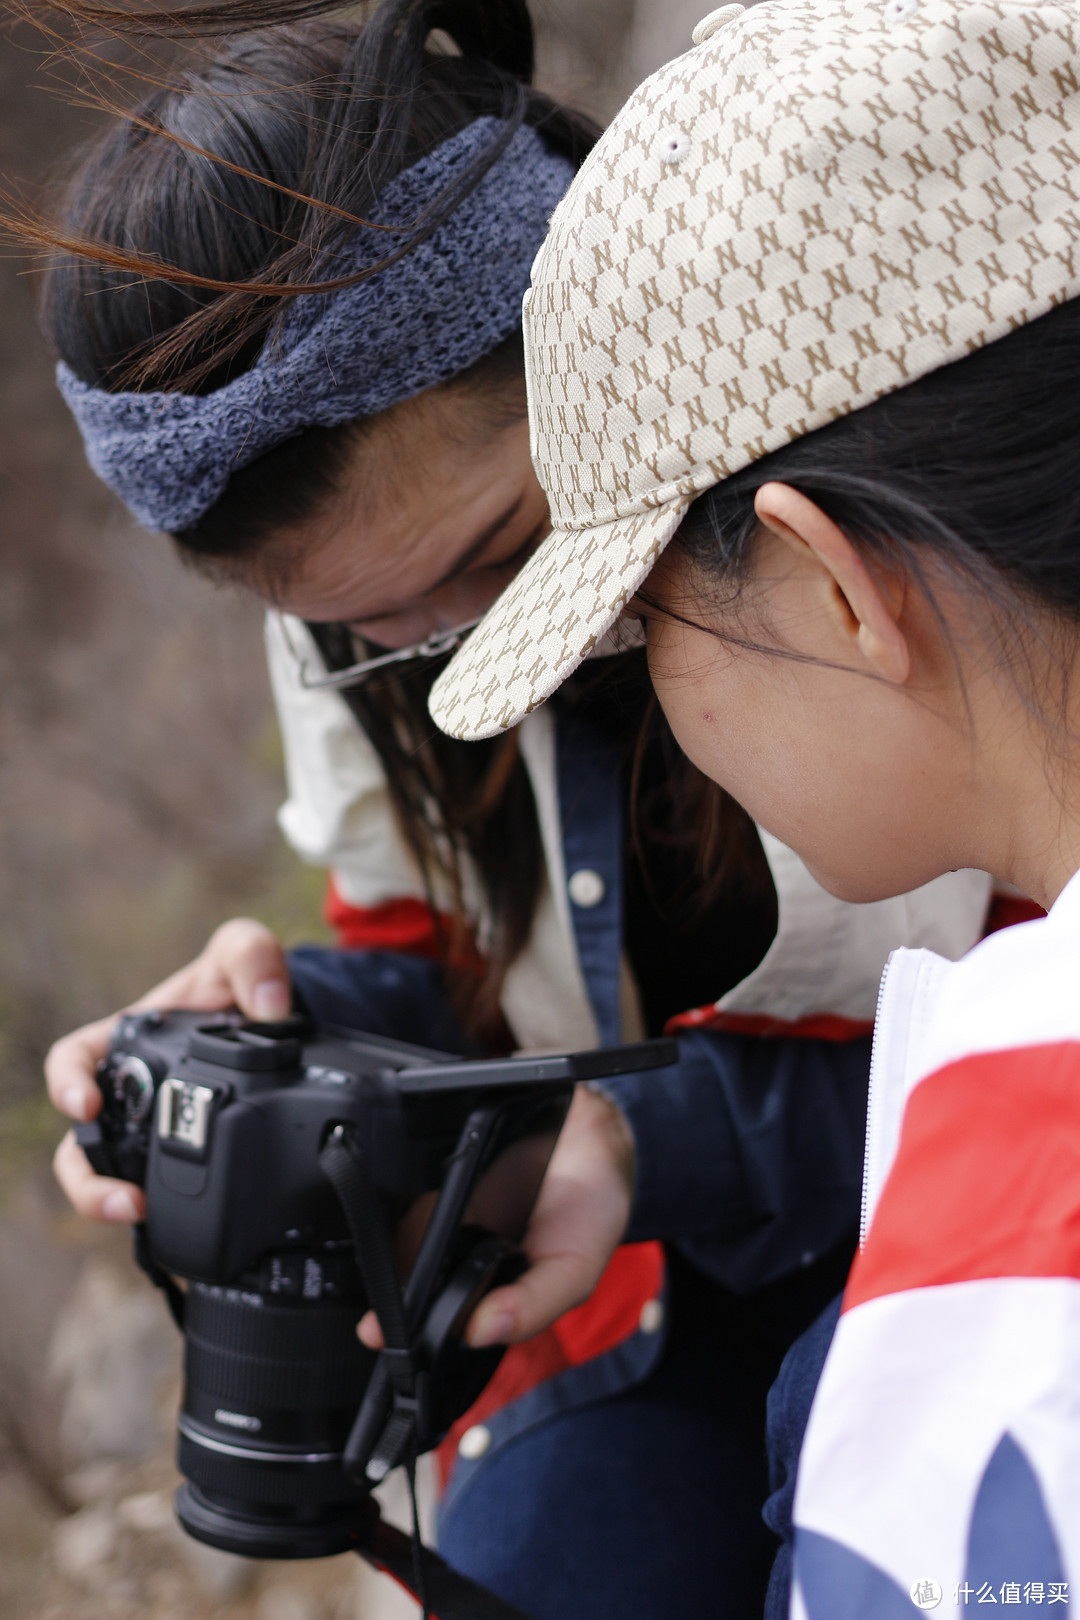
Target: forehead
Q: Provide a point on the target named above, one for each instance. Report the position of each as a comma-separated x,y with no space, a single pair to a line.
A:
412,500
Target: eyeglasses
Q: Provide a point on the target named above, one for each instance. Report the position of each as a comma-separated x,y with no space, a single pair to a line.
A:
435,646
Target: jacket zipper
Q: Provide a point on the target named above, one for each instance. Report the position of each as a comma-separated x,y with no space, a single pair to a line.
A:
871,1111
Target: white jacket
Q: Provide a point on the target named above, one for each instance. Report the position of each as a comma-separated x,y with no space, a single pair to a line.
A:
942,1459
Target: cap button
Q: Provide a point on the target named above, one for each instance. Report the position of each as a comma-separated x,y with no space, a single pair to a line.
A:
712,24
475,1442
586,887
673,146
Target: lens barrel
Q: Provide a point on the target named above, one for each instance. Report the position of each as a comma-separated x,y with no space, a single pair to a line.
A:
273,1381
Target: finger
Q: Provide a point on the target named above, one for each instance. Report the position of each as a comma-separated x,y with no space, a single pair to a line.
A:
71,1066
370,1332
242,964
99,1198
554,1284
250,960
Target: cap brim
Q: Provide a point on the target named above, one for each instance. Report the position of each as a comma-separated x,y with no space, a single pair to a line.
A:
547,620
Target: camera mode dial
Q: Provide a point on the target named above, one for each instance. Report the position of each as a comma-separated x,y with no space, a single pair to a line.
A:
133,1088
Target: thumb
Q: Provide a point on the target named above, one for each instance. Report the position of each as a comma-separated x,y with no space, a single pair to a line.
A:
250,960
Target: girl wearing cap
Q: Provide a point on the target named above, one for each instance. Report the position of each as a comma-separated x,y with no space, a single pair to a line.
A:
828,435
358,455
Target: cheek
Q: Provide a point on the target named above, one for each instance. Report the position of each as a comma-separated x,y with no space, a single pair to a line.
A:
716,705
827,763
749,723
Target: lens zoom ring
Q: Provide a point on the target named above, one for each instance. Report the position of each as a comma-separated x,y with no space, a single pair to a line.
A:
301,1358
312,1384
289,1333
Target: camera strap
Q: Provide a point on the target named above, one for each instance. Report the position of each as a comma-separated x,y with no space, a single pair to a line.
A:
452,1596
443,1594
342,1164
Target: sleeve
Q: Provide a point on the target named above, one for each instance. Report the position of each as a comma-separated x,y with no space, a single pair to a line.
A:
383,992
749,1151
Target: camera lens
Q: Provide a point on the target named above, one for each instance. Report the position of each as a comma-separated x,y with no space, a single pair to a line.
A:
274,1374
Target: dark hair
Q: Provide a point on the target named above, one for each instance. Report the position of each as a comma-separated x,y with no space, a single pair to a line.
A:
974,468
183,231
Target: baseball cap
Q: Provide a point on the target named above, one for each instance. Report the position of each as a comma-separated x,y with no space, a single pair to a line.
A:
820,202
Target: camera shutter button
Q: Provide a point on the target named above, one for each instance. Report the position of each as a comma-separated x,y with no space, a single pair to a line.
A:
586,888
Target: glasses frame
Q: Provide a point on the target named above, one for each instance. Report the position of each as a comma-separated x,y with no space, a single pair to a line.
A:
438,643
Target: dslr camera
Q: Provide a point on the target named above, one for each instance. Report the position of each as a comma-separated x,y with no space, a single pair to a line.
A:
297,1174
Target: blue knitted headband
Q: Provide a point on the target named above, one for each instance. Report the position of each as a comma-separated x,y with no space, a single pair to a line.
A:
339,356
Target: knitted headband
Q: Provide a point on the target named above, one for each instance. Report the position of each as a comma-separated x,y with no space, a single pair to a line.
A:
339,356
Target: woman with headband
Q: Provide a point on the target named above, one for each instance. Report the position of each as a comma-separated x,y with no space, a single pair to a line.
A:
286,301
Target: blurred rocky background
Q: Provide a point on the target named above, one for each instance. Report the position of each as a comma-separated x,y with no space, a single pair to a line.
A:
139,775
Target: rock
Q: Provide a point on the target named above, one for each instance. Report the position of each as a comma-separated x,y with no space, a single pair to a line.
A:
289,1603
84,1542
220,1574
380,1598
167,1593
111,1350
146,1511
395,1506
96,1482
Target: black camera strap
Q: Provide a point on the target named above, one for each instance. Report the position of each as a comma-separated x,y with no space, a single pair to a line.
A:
342,1164
442,1593
452,1596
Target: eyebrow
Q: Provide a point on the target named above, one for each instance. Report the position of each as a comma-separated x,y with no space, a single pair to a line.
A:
484,538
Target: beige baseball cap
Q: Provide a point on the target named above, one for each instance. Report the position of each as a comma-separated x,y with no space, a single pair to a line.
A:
820,202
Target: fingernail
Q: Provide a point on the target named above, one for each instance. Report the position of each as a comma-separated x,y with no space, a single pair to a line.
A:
271,999
73,1102
118,1206
494,1329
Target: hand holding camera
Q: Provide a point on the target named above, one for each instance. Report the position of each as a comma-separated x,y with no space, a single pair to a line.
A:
242,965
584,1203
284,1165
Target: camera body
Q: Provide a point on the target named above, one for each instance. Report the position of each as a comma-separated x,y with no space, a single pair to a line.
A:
293,1172
223,1123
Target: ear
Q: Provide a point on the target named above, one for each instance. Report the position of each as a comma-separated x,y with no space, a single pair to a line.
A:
871,605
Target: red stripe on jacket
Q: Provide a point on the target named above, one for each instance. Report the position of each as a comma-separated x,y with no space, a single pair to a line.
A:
1006,910
986,1181
814,1027
409,926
